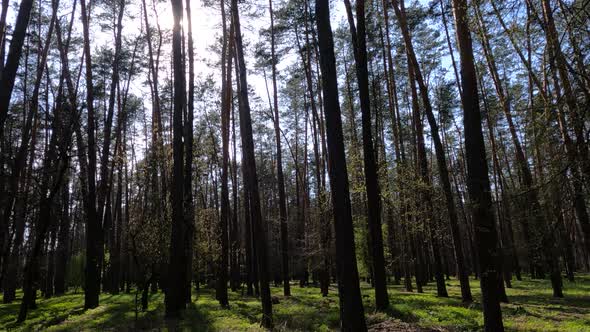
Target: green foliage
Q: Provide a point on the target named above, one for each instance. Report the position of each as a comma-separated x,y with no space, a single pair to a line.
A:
531,308
75,271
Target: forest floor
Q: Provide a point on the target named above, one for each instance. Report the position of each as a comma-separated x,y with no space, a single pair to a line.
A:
531,308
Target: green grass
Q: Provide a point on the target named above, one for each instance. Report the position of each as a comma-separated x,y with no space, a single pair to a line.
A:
531,308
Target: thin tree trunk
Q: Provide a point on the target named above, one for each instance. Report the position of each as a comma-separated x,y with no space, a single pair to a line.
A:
3,15
439,151
54,168
280,176
252,177
189,207
425,198
578,150
235,242
103,186
226,61
534,217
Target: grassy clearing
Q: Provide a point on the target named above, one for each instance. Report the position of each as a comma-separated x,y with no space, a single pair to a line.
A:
532,308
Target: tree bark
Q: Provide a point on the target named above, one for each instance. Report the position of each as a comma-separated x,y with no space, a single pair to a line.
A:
14,53
439,151
280,176
226,61
175,300
94,232
478,182
371,181
251,182
352,316
189,206
577,151
63,242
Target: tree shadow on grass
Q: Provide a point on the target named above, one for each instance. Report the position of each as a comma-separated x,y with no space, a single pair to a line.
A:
569,301
308,314
246,311
403,315
120,315
102,318
8,313
49,312
428,310
193,319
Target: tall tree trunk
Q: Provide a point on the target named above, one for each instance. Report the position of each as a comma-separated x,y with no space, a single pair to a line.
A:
388,69
425,197
578,150
495,169
3,15
64,235
534,217
94,236
115,255
280,176
50,272
226,98
415,233
19,166
55,164
501,204
371,181
63,242
439,151
352,317
235,242
189,206
8,75
252,177
478,182
103,185
176,277
158,157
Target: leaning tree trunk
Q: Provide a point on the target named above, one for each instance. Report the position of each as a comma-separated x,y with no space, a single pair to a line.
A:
10,68
579,150
534,218
439,151
425,197
54,168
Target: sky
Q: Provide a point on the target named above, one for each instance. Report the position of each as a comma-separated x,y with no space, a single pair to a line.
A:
206,26
206,22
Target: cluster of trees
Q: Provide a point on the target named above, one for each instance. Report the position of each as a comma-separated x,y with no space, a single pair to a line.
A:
122,167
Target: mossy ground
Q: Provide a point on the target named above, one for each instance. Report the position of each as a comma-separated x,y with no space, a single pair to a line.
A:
531,308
